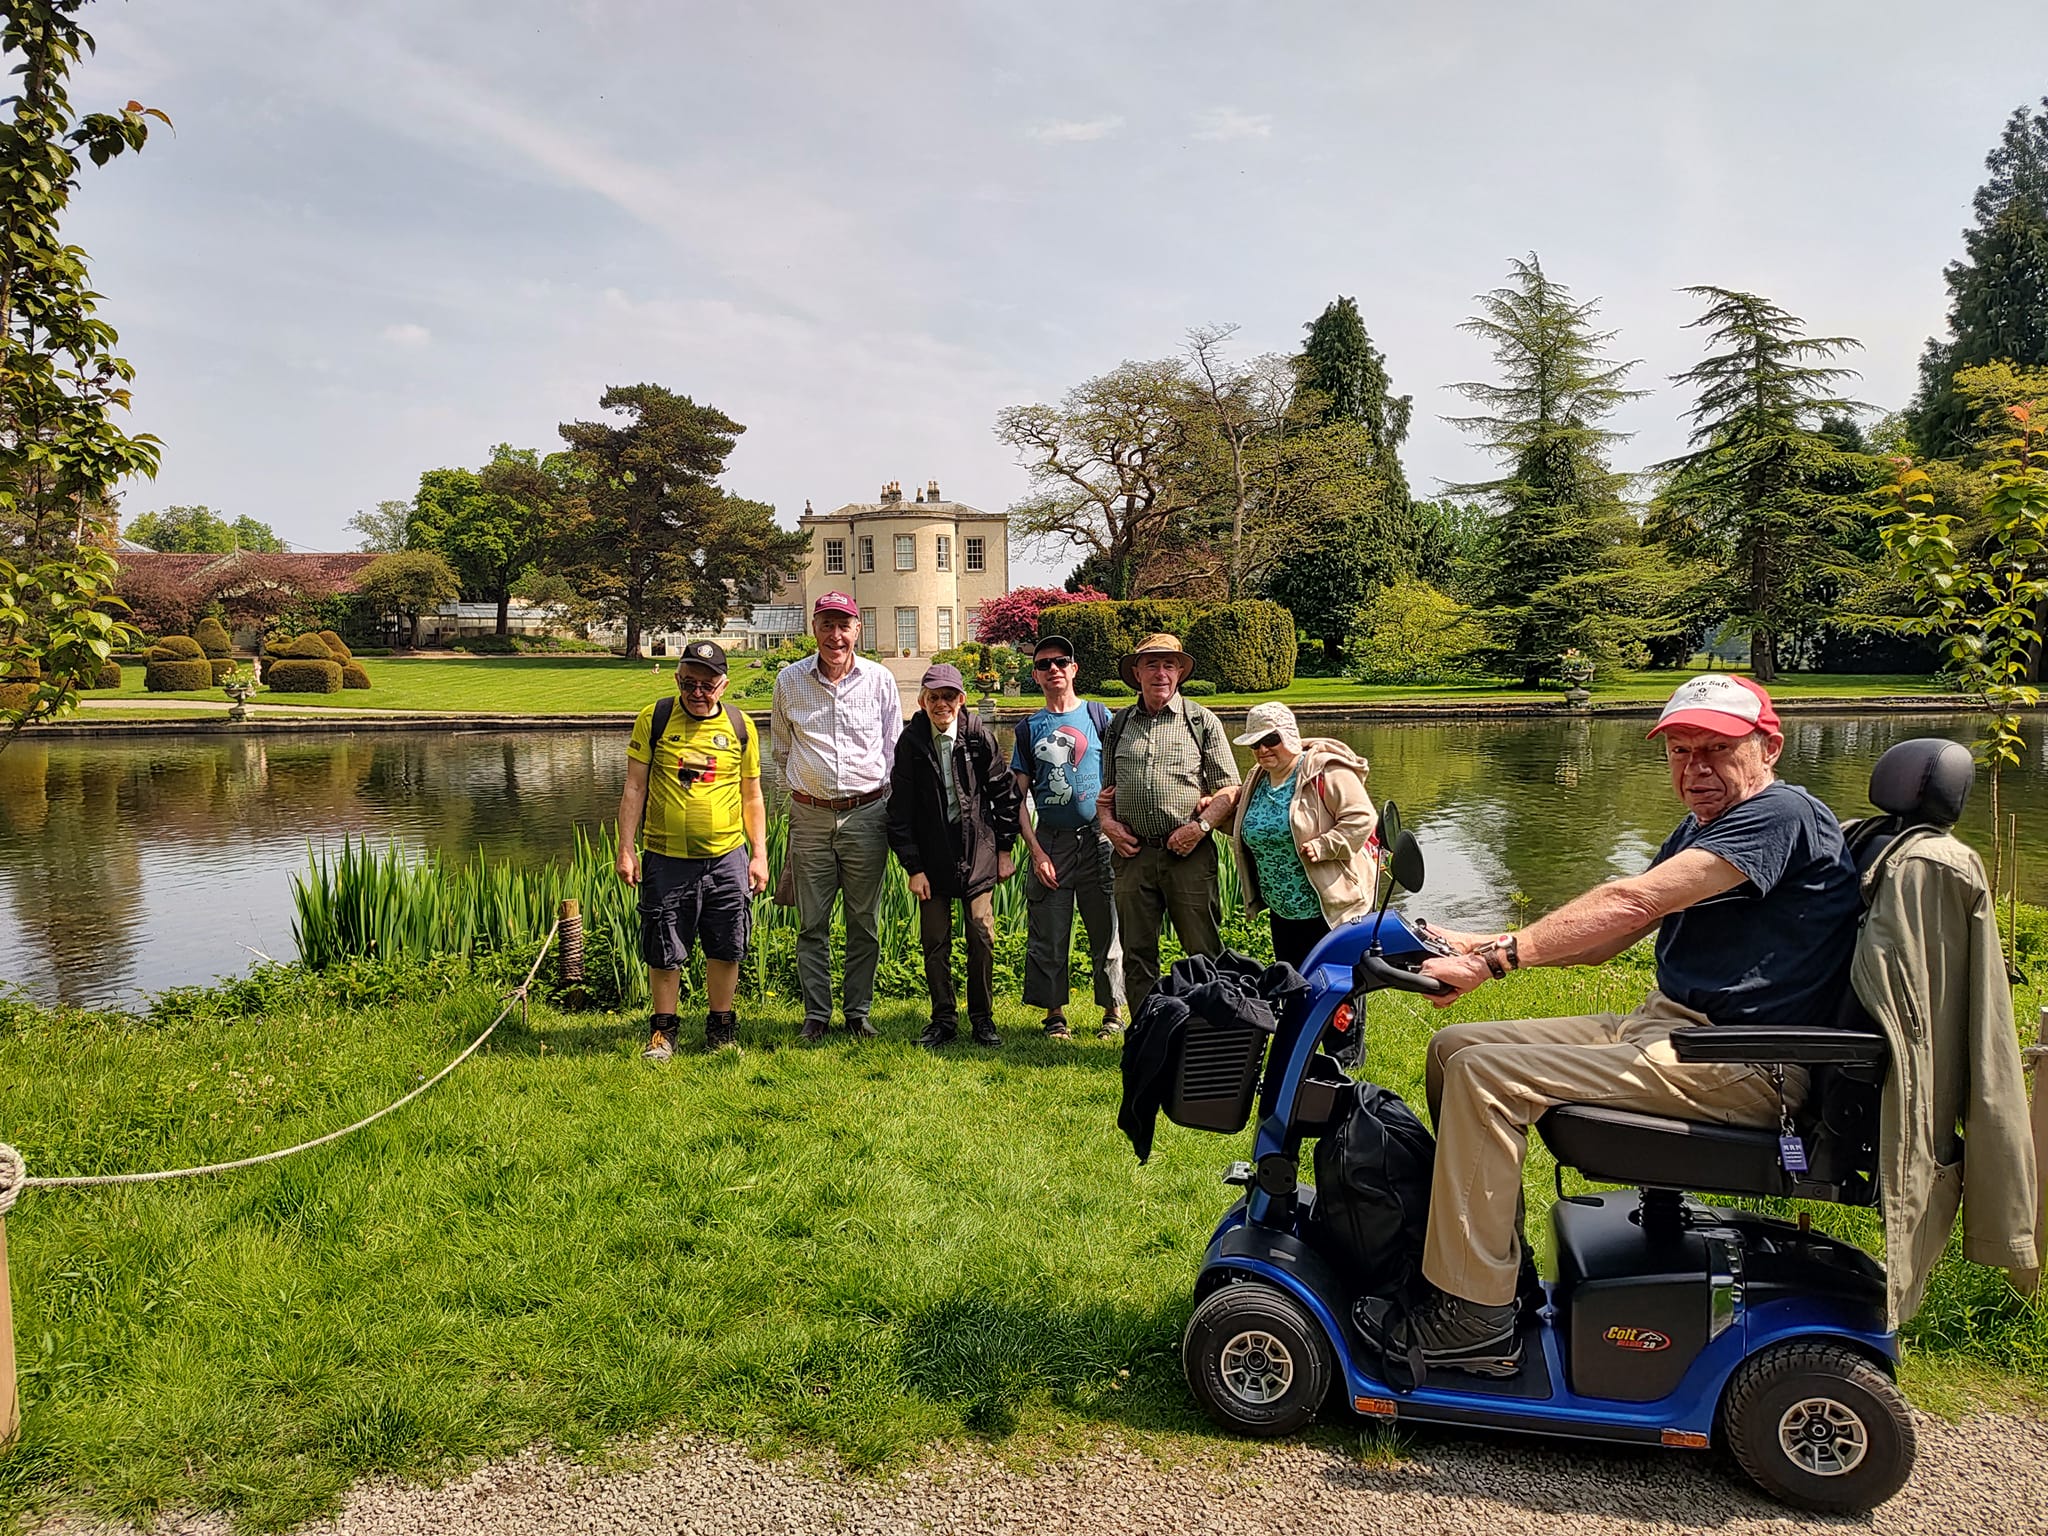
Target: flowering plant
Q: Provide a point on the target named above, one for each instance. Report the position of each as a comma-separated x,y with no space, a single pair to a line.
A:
1573,669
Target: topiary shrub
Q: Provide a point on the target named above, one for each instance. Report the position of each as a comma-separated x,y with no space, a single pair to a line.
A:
221,667
353,676
175,648
1198,687
302,675
194,675
18,687
1115,688
308,648
1097,636
276,642
108,676
1245,647
336,646
212,638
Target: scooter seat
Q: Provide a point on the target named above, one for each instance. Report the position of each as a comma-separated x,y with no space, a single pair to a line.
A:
1616,1146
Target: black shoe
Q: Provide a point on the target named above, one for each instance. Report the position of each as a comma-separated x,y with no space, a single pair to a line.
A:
813,1031
937,1034
861,1029
722,1031
1450,1332
985,1033
661,1040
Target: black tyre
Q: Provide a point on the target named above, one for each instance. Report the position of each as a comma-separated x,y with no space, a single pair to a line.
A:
1819,1426
1258,1362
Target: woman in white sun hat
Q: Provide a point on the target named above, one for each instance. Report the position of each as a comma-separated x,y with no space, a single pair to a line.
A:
1304,832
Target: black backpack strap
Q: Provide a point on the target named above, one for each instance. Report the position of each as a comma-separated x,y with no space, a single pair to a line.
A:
664,711
1099,713
739,722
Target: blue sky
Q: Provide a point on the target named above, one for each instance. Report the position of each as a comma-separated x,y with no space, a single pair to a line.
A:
386,236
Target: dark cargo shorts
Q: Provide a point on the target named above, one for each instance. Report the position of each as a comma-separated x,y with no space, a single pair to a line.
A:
685,900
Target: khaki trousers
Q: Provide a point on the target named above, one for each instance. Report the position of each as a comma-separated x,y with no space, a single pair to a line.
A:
1153,886
1488,1083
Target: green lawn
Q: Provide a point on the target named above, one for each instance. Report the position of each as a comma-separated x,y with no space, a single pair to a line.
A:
869,1248
536,685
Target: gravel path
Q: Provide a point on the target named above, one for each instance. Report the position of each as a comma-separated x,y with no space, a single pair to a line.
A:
1986,1476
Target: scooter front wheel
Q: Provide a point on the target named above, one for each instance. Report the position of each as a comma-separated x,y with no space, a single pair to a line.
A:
1820,1426
1258,1362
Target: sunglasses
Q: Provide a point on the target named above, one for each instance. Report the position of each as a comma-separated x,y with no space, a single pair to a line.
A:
1046,665
1266,741
698,684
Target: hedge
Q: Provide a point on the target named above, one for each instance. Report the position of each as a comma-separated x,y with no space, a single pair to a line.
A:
1198,688
108,676
353,676
308,648
1115,688
222,666
1104,632
212,638
192,675
303,674
175,648
1247,647
18,685
336,646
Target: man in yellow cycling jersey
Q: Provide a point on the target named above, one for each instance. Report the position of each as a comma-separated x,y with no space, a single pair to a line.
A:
695,772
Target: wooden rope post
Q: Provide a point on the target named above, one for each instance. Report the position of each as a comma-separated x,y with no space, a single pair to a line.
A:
10,1397
2040,1115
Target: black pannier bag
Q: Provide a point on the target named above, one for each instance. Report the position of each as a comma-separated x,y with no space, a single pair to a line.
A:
1373,1170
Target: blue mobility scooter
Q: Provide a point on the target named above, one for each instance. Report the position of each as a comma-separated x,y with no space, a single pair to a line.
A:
1670,1322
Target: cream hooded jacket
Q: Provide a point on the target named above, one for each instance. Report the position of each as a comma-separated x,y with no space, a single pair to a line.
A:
1333,821
1953,1128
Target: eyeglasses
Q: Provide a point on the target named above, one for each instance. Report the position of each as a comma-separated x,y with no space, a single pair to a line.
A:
1265,742
1049,662
698,684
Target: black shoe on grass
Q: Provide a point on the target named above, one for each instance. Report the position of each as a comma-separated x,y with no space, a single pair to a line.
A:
937,1034
722,1031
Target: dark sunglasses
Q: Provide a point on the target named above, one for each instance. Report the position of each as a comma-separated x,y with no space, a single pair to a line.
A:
698,684
1047,663
1266,741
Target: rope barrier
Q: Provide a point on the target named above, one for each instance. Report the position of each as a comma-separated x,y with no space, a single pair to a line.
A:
14,1175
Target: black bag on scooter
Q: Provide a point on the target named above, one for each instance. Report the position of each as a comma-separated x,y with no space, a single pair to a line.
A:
1373,1169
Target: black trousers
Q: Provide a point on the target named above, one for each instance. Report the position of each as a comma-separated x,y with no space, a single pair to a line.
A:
935,934
1294,937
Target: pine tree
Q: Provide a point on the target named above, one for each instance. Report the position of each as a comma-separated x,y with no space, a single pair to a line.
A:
1754,492
1998,292
1341,381
1569,570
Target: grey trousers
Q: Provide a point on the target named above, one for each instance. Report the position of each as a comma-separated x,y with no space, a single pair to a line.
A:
1087,879
837,852
1154,886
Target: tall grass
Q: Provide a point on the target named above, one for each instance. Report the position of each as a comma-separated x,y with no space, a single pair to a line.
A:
367,902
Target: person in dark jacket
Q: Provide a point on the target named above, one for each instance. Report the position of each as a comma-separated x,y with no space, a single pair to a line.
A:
952,819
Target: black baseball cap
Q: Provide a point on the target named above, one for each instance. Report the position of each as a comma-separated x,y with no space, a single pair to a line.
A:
706,653
1059,643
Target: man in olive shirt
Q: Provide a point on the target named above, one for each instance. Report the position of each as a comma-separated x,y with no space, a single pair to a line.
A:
1168,781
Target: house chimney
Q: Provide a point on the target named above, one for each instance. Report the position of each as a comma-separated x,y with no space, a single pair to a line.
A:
931,492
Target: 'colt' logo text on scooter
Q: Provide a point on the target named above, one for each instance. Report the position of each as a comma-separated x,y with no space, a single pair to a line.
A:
1644,1339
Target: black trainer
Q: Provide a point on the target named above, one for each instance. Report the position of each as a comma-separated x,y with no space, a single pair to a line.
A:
985,1032
722,1031
1451,1333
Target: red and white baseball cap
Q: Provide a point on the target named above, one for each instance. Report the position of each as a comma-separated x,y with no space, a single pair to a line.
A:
1717,701
835,602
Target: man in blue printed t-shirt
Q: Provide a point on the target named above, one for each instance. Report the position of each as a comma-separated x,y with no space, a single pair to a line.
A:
1059,762
1755,905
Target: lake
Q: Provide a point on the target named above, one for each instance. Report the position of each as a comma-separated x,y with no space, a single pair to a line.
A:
129,864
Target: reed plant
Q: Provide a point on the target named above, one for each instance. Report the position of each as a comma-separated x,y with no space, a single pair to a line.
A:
362,901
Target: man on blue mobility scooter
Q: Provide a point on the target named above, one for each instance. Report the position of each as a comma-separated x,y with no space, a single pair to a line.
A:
1755,905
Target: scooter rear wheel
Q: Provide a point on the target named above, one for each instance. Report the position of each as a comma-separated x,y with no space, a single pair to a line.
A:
1819,1426
1257,1361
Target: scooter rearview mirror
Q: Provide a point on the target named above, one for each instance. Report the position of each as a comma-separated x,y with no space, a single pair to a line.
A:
1390,834
1406,863
1390,823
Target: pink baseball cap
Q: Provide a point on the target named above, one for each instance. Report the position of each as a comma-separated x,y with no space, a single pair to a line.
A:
1717,701
835,602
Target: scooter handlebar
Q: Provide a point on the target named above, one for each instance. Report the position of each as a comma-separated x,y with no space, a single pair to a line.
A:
1389,975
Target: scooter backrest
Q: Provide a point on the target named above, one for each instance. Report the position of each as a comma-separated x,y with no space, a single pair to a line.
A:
1924,782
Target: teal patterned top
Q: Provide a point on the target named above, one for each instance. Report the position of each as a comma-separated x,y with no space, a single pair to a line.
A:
1283,883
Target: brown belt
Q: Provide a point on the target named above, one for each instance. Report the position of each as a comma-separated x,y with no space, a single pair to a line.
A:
843,803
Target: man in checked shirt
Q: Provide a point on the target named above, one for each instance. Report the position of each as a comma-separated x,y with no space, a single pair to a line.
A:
1168,781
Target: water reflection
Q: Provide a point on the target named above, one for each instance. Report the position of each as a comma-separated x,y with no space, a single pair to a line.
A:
145,863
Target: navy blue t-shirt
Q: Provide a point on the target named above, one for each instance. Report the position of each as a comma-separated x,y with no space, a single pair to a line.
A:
1776,948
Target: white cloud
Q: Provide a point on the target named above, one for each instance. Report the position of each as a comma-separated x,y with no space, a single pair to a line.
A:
1070,131
406,334
1223,123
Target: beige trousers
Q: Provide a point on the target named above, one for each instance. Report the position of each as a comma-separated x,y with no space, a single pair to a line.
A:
1488,1083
